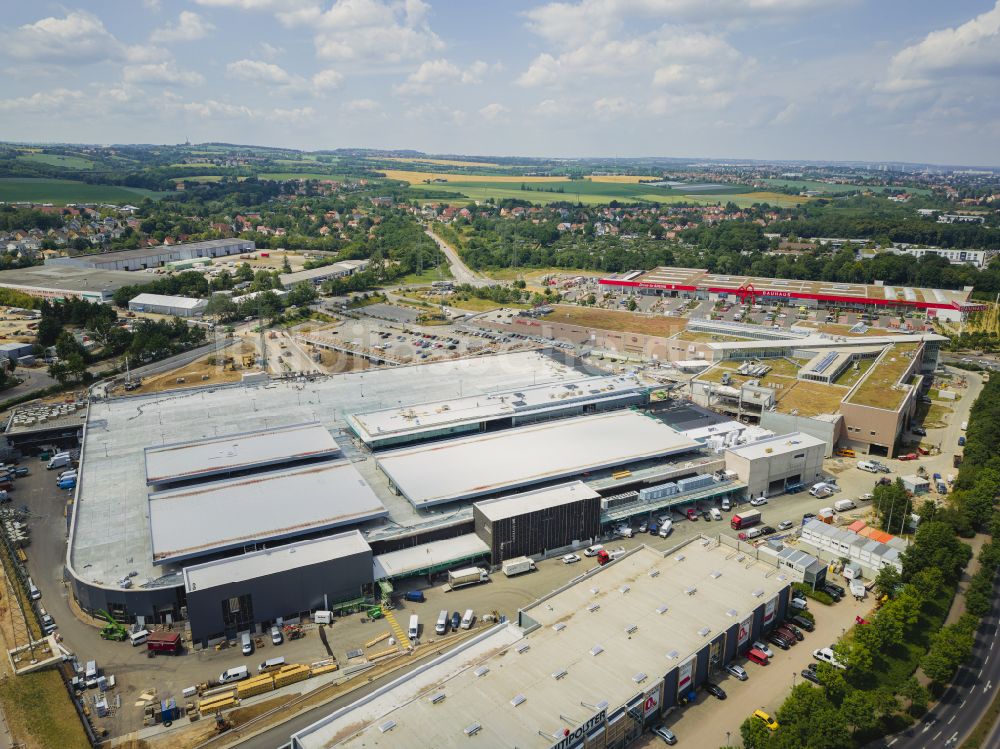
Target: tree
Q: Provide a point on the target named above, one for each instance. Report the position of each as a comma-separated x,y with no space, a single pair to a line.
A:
858,709
222,306
935,545
755,734
891,503
917,694
244,273
888,581
286,267
49,329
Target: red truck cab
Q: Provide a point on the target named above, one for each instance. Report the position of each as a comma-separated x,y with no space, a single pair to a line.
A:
603,557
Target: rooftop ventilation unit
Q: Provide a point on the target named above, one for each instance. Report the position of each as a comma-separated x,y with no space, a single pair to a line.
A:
691,591
782,577
673,655
593,607
624,589
741,557
596,650
439,697
654,573
559,627
387,726
731,613
517,700
679,558
557,675
704,631
639,678
631,628
472,729
602,705
523,648
715,575
481,671
706,541
662,609
758,593
595,591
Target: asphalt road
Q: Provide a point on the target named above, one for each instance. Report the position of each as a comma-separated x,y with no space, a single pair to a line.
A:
461,272
962,706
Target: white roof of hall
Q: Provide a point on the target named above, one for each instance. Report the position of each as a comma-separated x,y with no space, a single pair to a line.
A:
489,463
201,519
163,300
392,422
274,560
826,341
413,558
181,461
539,499
777,445
110,532
701,588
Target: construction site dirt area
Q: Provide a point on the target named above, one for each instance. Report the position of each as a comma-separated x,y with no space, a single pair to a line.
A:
628,322
208,370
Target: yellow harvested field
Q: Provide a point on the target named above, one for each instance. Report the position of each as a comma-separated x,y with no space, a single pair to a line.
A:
772,197
441,162
417,177
602,319
618,179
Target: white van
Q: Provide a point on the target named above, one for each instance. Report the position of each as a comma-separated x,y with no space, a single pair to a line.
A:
725,504
965,425
90,672
828,656
714,512
414,629
33,592
843,505
247,643
271,664
58,461
821,489
752,532
865,465
442,623
593,551
467,619
239,673
666,527
138,638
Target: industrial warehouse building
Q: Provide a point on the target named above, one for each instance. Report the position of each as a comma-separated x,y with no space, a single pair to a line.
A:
323,273
538,522
156,257
490,464
616,649
394,427
227,596
770,465
57,282
162,304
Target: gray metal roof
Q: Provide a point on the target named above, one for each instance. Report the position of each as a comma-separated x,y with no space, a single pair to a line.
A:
539,499
490,463
180,461
272,561
199,520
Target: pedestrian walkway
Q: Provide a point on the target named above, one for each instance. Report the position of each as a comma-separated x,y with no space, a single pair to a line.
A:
397,630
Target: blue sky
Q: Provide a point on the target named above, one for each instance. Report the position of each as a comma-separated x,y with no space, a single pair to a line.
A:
875,80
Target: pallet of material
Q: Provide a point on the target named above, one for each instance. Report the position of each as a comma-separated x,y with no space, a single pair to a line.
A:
291,674
213,705
320,670
383,653
377,640
255,685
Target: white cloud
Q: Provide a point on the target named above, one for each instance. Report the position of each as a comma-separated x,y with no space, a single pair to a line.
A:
270,51
141,53
253,4
164,73
972,49
434,72
78,38
211,108
361,105
189,27
327,80
257,71
42,101
493,112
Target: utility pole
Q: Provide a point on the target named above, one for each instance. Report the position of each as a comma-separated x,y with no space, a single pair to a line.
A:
263,342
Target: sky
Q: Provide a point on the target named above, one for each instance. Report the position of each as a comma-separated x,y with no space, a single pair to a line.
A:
865,80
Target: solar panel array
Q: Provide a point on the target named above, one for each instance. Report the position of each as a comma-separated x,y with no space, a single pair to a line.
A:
825,362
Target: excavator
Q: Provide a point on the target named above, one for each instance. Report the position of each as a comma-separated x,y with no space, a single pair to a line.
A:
113,630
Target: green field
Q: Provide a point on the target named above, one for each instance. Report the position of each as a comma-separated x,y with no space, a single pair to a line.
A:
62,191
199,178
829,189
53,159
593,193
281,176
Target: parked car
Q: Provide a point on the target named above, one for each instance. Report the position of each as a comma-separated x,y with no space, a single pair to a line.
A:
758,501
776,639
767,720
570,558
832,592
666,734
801,621
837,588
21,471
767,530
791,629
692,514
642,527
706,515
715,690
866,497
763,648
807,517
738,671
784,525
919,431
456,620
276,636
810,675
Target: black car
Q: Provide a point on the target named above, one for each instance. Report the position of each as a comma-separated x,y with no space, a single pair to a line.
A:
837,588
832,593
715,690
456,620
21,471
808,516
810,675
919,431
801,621
767,530
796,632
706,515
775,639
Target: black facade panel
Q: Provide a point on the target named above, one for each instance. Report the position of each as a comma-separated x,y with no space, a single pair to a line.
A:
540,531
701,667
732,637
670,689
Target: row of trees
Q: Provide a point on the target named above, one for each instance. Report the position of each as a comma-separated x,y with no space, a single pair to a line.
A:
878,692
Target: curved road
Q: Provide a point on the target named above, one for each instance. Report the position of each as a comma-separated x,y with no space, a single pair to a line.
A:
459,270
965,701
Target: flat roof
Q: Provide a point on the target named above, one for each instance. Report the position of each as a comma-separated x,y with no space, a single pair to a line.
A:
699,279
181,461
164,300
410,420
322,271
107,258
67,278
271,561
110,534
220,515
489,463
779,445
409,561
539,499
702,589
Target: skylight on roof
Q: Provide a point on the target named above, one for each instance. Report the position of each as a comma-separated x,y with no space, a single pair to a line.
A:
662,609
387,726
481,671
517,700
596,650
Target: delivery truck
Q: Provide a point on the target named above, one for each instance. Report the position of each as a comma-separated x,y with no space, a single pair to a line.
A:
518,565
467,576
164,642
745,519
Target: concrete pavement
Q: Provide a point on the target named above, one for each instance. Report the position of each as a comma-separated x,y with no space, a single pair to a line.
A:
459,270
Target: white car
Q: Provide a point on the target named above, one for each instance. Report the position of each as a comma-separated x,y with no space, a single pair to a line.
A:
784,525
866,496
758,501
570,558
762,647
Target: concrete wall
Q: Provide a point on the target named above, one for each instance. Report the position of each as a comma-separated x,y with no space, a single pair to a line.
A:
281,595
828,430
760,473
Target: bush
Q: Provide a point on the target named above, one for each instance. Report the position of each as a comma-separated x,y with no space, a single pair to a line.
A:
816,595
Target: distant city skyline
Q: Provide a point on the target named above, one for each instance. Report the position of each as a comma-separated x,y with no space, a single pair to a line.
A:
856,80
